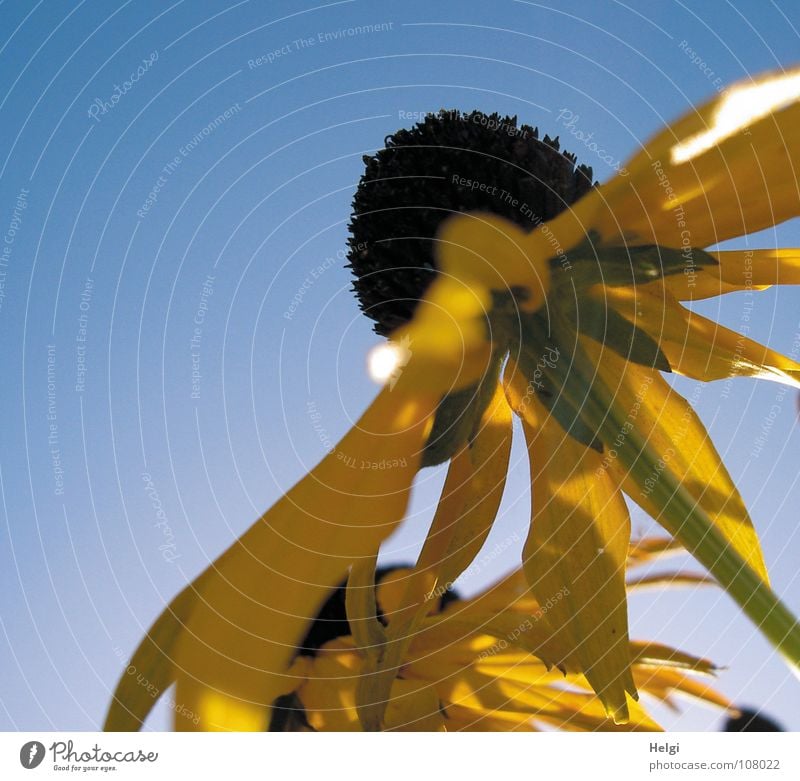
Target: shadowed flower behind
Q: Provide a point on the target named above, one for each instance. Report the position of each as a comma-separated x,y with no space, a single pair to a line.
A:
478,664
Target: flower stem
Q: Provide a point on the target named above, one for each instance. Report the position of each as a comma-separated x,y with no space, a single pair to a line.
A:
684,519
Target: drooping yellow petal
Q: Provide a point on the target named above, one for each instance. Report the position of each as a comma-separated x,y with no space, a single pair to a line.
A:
152,661
461,719
696,346
362,607
664,682
329,692
737,270
557,706
414,707
669,580
647,549
577,548
470,499
446,346
671,427
489,455
723,170
255,602
649,654
245,615
380,671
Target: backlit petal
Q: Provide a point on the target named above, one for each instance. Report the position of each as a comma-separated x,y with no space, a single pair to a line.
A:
254,603
723,170
696,346
574,558
672,429
468,506
737,270
487,250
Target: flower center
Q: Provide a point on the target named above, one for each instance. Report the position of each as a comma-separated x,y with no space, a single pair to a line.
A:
450,162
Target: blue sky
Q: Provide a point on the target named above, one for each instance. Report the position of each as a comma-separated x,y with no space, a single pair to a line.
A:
178,180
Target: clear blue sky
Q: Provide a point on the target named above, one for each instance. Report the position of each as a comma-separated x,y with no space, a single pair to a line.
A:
156,236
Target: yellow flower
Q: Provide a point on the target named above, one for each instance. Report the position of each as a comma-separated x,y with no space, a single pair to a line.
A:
580,314
473,666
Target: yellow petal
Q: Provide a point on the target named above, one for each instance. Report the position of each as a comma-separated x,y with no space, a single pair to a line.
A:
560,707
723,170
329,692
380,670
466,720
520,394
574,558
446,346
737,270
245,615
151,662
493,633
660,656
484,249
669,424
489,455
513,664
662,683
509,593
414,707
696,346
470,498
256,601
669,580
648,549
362,608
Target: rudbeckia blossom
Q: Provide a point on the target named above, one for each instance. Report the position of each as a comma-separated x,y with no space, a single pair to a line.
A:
507,284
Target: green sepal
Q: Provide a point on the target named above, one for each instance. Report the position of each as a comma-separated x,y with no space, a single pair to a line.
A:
607,326
458,417
543,380
593,263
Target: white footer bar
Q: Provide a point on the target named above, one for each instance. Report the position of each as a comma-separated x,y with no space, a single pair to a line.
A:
400,756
